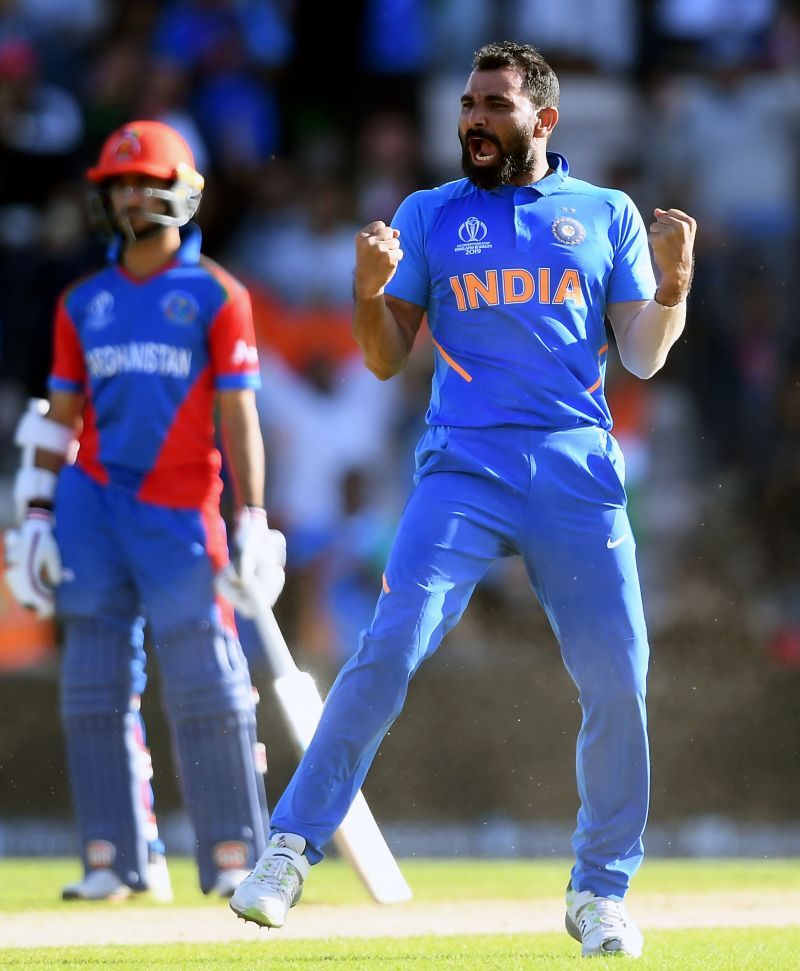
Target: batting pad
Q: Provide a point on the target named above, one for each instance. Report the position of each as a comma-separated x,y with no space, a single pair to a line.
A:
211,706
109,764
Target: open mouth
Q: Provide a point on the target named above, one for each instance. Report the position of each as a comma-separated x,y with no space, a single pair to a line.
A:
482,150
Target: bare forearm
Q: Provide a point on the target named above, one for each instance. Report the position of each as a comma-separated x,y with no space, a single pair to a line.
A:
383,343
244,450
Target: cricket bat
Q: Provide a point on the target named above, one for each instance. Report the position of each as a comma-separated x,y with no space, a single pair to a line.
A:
358,839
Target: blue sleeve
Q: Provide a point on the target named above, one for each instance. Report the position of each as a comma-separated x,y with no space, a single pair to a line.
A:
412,279
631,275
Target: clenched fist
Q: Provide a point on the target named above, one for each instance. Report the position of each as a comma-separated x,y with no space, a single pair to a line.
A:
377,255
672,241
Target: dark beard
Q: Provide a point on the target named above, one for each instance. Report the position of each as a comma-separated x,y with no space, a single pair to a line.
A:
519,158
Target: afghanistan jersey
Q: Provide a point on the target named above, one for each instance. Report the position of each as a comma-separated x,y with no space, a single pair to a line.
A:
150,355
515,282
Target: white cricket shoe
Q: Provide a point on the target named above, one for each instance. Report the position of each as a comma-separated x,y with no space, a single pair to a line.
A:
275,885
228,881
602,925
104,884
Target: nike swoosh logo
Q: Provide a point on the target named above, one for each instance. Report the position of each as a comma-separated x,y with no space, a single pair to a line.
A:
614,543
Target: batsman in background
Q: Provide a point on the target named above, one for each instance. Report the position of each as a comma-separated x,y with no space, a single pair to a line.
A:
145,351
517,267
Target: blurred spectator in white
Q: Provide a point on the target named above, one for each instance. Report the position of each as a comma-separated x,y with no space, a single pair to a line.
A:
321,423
331,418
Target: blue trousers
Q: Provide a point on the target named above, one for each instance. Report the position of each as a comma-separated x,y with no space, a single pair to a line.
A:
557,499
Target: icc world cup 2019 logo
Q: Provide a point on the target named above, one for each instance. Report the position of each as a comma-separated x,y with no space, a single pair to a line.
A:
472,230
472,233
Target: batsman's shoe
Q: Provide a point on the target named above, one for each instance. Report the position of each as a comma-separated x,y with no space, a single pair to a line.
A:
227,882
276,883
100,884
602,925
104,884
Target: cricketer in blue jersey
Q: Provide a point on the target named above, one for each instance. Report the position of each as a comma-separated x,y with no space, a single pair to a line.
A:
517,267
146,351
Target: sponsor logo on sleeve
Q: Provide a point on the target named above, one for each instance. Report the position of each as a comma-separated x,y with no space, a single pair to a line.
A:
244,353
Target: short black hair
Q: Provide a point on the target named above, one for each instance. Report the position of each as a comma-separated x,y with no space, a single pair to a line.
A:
540,79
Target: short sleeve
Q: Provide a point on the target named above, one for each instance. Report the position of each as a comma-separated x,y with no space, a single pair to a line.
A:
68,372
234,358
631,275
411,282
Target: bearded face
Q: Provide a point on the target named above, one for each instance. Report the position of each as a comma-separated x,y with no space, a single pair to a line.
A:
500,129
489,162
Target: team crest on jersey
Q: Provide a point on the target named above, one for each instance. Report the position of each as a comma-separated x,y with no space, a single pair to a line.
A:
100,310
179,307
568,230
472,233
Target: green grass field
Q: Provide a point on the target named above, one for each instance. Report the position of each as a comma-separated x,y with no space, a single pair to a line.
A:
32,886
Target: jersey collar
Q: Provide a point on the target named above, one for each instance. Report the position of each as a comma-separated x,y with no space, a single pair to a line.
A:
188,253
547,185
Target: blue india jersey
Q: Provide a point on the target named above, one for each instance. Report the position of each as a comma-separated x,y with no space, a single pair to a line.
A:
515,283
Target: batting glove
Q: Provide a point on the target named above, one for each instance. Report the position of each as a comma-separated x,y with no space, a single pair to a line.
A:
258,560
33,562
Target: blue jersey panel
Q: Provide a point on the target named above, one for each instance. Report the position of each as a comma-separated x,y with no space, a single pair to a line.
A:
515,283
145,343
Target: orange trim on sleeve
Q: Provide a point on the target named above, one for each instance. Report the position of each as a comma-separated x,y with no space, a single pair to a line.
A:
386,587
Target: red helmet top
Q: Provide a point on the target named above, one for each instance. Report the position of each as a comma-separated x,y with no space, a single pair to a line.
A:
144,148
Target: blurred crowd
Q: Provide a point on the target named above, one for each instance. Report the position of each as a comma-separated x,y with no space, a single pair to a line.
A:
302,140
